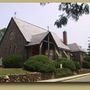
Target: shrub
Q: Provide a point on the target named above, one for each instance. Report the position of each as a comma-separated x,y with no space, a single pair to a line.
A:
39,57
66,64
13,61
77,65
86,64
87,58
39,63
62,72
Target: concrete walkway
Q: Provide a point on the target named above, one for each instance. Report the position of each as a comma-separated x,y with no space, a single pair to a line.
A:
64,78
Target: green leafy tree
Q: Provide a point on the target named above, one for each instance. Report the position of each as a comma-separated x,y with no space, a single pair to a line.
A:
2,31
71,10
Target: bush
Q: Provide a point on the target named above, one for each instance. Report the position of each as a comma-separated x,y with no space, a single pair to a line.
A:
86,63
87,58
66,64
13,61
39,63
62,72
77,64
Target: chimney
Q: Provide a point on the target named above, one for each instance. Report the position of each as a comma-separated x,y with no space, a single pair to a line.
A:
65,37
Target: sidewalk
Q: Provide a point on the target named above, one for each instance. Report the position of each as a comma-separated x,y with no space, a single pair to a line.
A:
64,78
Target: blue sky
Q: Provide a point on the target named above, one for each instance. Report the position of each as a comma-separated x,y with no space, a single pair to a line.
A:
43,16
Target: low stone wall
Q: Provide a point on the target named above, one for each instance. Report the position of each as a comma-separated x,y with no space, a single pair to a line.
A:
33,77
25,78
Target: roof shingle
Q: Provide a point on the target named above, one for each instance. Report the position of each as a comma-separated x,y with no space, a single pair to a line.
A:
74,47
34,34
28,29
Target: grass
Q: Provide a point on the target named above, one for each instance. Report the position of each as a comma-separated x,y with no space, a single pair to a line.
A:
12,71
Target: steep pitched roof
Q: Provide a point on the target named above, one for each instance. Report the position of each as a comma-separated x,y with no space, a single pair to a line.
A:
34,34
28,29
36,39
59,42
75,47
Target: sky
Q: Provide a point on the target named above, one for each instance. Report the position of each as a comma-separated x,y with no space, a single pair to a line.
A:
44,16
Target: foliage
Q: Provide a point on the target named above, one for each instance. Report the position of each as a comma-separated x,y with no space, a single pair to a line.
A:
12,61
2,31
39,58
86,64
74,10
62,72
77,65
87,58
61,21
66,64
39,63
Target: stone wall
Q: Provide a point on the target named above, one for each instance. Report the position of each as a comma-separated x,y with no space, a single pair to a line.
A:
24,78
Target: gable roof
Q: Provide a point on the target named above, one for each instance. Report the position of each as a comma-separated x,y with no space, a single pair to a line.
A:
75,47
28,29
36,39
59,42
34,34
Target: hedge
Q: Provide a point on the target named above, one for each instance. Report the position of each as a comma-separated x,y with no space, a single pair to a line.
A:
39,63
86,62
12,61
66,64
87,58
62,72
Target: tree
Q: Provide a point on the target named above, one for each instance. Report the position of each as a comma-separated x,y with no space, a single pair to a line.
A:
74,10
71,10
2,31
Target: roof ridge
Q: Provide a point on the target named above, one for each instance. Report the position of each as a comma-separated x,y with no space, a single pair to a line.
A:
29,23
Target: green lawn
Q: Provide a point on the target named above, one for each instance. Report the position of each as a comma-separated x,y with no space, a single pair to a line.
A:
9,71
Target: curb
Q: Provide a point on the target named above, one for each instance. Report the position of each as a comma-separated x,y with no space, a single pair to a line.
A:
64,78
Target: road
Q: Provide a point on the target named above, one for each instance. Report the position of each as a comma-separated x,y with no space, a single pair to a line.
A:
79,79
